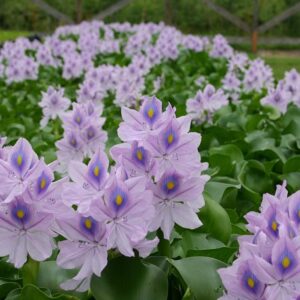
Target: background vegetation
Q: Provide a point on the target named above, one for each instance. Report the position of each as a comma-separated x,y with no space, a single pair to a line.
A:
188,15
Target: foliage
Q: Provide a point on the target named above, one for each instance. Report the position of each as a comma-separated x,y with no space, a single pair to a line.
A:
24,14
249,149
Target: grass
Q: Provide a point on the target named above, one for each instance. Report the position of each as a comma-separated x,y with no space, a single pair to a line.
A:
281,64
6,35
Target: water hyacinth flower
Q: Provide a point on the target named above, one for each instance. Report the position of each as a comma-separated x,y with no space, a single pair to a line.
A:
177,199
18,170
126,210
271,254
137,125
24,174
83,134
282,274
88,182
53,104
241,281
278,99
85,248
205,103
70,147
136,160
24,230
175,147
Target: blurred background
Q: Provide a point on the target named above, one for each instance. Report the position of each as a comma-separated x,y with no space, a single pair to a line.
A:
267,28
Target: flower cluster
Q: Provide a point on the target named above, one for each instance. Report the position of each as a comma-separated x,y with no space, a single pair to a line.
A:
287,91
29,202
155,183
53,104
205,103
83,133
268,265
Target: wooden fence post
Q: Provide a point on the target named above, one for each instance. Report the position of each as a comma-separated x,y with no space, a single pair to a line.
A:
254,36
79,10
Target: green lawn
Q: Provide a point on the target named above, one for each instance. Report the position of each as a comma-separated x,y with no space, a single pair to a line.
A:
11,35
280,64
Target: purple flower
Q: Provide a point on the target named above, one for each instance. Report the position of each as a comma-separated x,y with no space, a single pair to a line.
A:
282,274
271,253
70,147
277,99
25,230
136,160
54,104
138,125
83,134
16,172
177,199
126,210
84,248
202,107
241,282
294,208
88,182
174,147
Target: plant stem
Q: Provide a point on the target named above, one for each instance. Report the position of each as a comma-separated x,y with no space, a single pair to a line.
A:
164,248
30,271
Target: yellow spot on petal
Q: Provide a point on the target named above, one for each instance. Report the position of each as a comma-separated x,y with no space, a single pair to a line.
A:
88,223
73,141
170,185
78,119
90,133
299,213
170,138
119,200
19,160
20,214
43,183
139,155
274,226
96,171
150,113
286,262
251,282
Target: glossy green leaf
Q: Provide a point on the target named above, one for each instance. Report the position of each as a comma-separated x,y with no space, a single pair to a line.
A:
216,220
200,275
33,292
222,254
130,279
217,186
6,287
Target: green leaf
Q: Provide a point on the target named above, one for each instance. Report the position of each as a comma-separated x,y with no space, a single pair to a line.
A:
272,112
50,275
253,177
159,261
222,254
130,279
193,240
217,186
7,270
230,150
215,219
200,275
6,287
292,165
33,292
